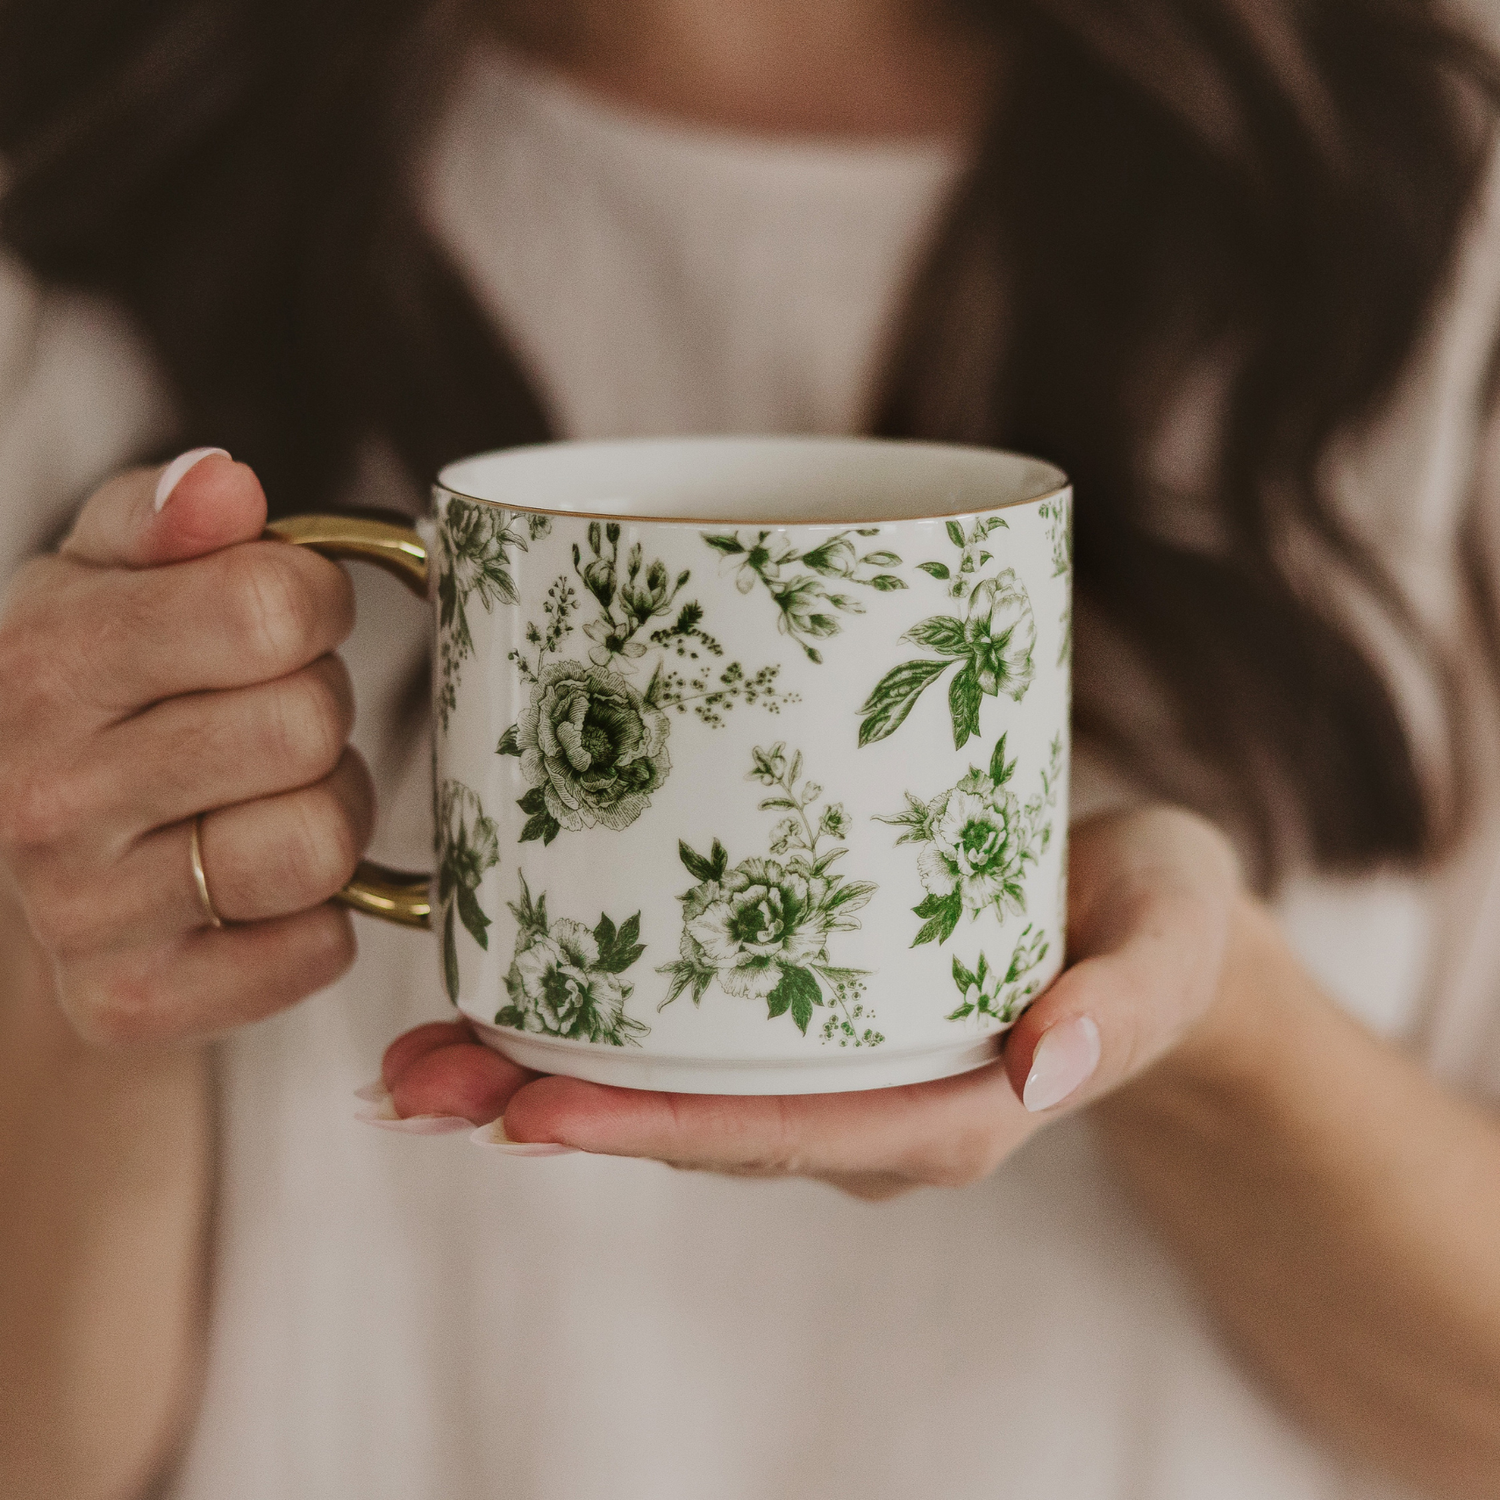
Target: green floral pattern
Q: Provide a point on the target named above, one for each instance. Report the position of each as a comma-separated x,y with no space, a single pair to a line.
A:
564,978
1058,516
473,564
761,928
997,995
807,609
592,751
467,846
991,643
978,841
592,745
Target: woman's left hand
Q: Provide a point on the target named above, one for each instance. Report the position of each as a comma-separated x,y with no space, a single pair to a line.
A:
1153,894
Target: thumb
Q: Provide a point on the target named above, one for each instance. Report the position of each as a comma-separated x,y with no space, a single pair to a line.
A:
196,504
1151,900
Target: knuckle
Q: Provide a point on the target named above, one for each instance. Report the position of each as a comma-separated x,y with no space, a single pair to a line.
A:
115,1010
331,949
29,656
39,812
274,606
312,723
325,848
63,919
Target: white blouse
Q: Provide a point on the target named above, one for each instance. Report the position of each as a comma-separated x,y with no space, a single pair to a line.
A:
418,1319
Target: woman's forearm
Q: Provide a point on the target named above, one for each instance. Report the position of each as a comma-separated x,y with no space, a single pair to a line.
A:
1340,1211
103,1193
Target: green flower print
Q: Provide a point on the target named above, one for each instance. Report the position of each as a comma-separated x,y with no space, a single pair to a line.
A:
564,979
758,920
591,748
809,609
995,994
592,745
991,644
975,850
761,928
978,840
630,594
468,845
473,563
1058,515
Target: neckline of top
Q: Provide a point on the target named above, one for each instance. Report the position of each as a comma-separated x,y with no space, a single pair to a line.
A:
565,105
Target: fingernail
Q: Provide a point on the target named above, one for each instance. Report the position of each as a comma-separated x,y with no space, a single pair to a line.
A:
171,476
384,1117
373,1093
1064,1060
494,1138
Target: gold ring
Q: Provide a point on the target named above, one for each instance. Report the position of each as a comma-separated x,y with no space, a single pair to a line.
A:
195,857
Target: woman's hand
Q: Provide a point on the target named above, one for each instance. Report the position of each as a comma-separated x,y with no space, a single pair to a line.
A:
168,663
1153,894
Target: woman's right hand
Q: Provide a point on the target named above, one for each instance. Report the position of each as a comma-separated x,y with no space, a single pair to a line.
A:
165,664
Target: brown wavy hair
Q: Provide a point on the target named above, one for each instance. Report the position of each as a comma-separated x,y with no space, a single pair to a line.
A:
1273,186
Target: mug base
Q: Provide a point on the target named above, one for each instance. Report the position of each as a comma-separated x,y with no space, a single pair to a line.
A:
845,1073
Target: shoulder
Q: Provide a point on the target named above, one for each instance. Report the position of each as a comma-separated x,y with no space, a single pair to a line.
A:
79,398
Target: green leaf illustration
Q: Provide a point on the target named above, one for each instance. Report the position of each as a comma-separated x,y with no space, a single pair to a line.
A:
881,559
472,916
541,826
1000,771
798,992
955,533
510,743
963,704
852,896
940,633
937,569
726,544
962,977
450,957
886,583
894,697
703,869
943,913
618,950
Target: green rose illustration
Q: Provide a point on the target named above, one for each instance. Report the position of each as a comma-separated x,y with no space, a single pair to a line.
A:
762,927
592,749
564,979
977,848
1000,631
979,840
757,921
563,993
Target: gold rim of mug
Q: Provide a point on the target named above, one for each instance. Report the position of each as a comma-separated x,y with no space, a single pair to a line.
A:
1060,488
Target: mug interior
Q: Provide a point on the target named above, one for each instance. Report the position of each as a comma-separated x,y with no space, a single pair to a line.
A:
745,480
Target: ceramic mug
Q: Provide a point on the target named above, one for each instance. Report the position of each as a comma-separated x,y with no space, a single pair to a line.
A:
751,754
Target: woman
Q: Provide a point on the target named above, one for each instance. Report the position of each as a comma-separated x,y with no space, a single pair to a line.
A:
1234,267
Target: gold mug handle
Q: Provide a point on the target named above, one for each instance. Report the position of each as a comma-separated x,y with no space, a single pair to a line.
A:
402,896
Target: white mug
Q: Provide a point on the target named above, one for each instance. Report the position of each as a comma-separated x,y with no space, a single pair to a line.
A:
750,754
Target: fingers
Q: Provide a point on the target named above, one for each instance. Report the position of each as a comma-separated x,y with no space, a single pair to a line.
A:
214,503
263,859
1153,896
950,1132
213,749
209,983
285,853
441,1070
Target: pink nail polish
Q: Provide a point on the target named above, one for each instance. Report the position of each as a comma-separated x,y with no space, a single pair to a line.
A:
384,1117
373,1093
1064,1060
172,475
494,1138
